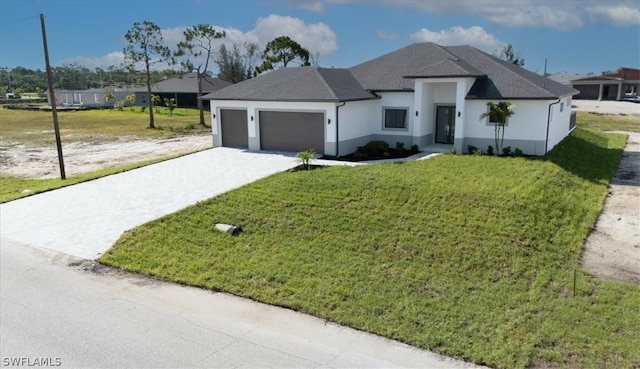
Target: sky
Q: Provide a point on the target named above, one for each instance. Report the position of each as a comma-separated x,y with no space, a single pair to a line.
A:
575,36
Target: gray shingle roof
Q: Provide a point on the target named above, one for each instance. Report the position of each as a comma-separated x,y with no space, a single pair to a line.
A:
505,80
396,71
296,84
496,79
187,83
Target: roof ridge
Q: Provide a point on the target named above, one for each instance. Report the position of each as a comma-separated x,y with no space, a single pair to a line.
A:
324,82
500,63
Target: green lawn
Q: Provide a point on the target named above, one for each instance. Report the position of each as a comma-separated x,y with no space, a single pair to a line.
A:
608,122
12,188
473,257
36,127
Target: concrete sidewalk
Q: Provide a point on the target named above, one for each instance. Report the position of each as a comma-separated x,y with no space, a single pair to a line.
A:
84,220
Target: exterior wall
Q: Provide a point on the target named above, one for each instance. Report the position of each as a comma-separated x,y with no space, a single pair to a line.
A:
560,122
87,98
525,130
253,124
355,120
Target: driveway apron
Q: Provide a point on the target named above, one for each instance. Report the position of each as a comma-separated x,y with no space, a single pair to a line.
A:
84,220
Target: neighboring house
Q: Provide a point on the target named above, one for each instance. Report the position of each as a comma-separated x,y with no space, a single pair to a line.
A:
421,94
91,98
183,89
622,85
564,78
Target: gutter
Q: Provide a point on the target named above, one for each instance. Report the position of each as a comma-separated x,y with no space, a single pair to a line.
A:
337,128
546,141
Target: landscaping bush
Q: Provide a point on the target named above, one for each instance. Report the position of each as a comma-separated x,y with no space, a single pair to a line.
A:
376,148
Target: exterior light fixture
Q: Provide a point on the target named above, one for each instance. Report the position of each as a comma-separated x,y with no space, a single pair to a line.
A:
416,113
252,118
329,121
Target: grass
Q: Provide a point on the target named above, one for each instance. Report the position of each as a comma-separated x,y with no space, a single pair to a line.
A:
36,127
12,188
608,122
473,257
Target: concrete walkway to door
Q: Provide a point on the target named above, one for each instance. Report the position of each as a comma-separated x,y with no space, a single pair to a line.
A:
84,220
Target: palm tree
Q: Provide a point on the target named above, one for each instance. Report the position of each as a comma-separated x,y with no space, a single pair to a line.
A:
498,114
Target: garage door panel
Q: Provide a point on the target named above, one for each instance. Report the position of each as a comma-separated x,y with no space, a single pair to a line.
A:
233,125
291,131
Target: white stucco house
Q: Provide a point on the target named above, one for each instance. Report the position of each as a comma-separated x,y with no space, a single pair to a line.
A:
421,94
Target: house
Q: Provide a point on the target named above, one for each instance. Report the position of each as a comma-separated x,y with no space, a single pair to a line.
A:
622,85
418,95
564,77
91,98
183,89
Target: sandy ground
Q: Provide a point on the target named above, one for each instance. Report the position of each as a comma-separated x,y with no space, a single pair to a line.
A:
80,157
612,250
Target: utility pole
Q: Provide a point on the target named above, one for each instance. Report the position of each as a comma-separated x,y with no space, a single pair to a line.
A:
52,97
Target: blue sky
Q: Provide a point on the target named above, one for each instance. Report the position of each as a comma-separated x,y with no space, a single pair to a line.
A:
574,36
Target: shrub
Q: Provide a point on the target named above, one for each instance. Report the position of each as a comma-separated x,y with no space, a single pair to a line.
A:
305,157
452,150
414,148
517,152
490,150
506,151
359,152
477,152
399,147
471,149
376,148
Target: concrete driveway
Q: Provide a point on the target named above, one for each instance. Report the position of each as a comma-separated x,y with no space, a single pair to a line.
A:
84,220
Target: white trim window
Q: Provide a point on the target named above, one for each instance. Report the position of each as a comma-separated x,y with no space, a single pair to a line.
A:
395,118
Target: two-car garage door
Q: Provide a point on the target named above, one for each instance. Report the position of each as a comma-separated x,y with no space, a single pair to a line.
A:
291,131
279,130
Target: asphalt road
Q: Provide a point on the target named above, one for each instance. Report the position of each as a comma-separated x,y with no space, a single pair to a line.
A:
86,315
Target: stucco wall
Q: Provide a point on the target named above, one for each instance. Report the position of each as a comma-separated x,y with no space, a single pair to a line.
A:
559,124
525,130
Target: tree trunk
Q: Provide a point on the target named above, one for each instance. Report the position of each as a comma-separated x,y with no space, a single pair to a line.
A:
151,121
200,104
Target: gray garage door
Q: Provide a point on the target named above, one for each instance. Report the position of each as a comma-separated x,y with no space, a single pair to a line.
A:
233,125
291,131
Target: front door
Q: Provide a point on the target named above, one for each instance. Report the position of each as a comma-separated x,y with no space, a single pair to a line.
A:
445,124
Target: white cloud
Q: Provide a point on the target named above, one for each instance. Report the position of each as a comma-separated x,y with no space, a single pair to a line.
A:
620,16
317,37
312,6
386,35
114,58
475,36
557,15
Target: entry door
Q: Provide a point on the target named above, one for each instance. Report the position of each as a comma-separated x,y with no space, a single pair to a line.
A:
445,124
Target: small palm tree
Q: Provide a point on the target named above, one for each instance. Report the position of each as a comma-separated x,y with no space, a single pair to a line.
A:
108,97
305,157
498,114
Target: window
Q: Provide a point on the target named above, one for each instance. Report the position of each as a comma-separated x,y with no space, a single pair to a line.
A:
395,118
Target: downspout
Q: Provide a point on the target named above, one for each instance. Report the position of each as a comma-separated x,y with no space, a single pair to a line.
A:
337,128
546,141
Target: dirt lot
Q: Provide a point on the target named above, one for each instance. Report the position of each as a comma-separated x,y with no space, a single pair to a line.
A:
42,162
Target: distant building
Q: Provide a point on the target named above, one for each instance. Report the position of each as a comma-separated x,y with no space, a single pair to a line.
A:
620,86
91,98
183,89
564,77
